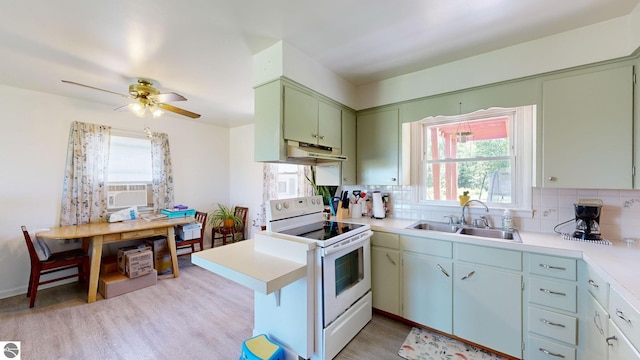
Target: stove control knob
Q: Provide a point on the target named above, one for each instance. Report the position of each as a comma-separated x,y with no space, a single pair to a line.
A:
279,206
286,205
313,201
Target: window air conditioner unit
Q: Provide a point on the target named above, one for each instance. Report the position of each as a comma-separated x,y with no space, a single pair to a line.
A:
126,195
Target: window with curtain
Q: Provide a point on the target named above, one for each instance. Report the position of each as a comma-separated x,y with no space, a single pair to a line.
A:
101,164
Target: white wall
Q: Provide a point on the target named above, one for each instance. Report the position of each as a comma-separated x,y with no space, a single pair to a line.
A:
604,41
245,175
34,129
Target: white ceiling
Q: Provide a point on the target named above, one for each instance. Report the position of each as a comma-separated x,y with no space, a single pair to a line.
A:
203,49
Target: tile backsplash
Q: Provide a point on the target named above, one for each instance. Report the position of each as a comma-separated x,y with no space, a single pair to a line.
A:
619,218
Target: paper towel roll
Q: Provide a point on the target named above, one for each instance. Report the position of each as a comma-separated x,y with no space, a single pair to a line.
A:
378,206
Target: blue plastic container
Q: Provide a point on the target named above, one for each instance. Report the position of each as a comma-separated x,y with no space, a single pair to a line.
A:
260,347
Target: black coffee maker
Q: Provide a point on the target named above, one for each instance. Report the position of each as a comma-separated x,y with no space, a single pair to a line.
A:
588,219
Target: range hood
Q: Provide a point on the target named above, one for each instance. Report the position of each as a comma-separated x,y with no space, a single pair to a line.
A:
311,154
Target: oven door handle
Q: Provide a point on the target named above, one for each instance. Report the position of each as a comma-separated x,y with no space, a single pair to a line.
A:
351,242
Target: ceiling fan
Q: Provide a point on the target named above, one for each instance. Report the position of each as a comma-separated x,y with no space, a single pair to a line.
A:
146,97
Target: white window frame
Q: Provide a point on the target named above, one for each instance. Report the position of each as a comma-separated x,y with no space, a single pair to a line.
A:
125,134
523,142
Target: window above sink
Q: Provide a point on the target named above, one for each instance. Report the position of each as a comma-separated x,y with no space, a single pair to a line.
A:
487,153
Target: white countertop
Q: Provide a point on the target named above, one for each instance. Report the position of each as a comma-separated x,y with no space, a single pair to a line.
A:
618,264
255,269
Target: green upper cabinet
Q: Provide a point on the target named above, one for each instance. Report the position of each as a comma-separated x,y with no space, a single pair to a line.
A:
286,110
344,172
310,120
378,147
587,139
349,147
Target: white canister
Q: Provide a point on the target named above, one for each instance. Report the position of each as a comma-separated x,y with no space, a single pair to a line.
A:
356,210
378,205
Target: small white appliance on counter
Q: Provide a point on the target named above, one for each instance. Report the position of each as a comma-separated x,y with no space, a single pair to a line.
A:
341,289
378,205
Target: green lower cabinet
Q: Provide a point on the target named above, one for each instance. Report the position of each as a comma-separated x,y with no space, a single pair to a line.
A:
487,307
428,291
620,348
385,279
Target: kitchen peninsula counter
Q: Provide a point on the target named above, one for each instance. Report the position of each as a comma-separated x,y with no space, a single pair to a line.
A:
618,264
255,264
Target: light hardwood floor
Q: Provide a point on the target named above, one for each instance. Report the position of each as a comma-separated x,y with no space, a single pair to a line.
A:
198,316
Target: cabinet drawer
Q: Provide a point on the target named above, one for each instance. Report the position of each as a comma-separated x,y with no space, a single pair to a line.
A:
427,246
506,259
558,267
626,317
385,239
597,287
545,350
620,347
554,325
552,293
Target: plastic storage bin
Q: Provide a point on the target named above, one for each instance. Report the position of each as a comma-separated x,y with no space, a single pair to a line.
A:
261,348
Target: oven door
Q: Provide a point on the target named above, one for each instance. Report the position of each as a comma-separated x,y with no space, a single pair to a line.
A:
346,274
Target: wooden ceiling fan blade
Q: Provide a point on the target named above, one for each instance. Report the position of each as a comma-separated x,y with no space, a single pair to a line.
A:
95,88
167,97
178,110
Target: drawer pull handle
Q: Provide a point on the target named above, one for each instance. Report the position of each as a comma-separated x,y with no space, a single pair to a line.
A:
551,323
547,291
551,353
552,267
593,283
391,260
620,314
443,270
611,338
598,323
468,275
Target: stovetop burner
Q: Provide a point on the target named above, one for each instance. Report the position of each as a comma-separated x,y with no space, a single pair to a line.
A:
322,231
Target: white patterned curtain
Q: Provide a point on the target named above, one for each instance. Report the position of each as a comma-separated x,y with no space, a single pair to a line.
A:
304,186
162,184
84,196
270,187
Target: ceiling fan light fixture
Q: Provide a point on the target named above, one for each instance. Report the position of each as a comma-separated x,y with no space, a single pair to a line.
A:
137,108
155,110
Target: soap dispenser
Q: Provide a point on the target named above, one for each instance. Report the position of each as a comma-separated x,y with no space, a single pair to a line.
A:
507,220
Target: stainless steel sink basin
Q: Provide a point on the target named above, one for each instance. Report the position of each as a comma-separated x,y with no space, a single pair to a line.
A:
492,233
433,226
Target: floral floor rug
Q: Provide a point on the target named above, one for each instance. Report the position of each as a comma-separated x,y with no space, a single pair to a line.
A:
422,344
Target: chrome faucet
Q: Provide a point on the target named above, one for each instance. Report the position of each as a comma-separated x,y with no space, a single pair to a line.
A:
463,220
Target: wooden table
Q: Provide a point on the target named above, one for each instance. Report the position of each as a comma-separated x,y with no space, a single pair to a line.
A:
98,234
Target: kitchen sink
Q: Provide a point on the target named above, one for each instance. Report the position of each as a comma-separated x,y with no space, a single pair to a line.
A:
491,233
434,226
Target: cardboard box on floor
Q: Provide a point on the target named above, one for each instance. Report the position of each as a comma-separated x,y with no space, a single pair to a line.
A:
115,284
109,264
161,256
134,261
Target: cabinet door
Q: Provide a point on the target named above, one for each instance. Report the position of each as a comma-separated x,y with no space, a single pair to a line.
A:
329,125
385,279
619,346
596,321
487,308
349,148
587,130
378,148
300,116
428,291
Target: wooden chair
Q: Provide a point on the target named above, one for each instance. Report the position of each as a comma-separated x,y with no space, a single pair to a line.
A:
223,233
59,261
201,217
